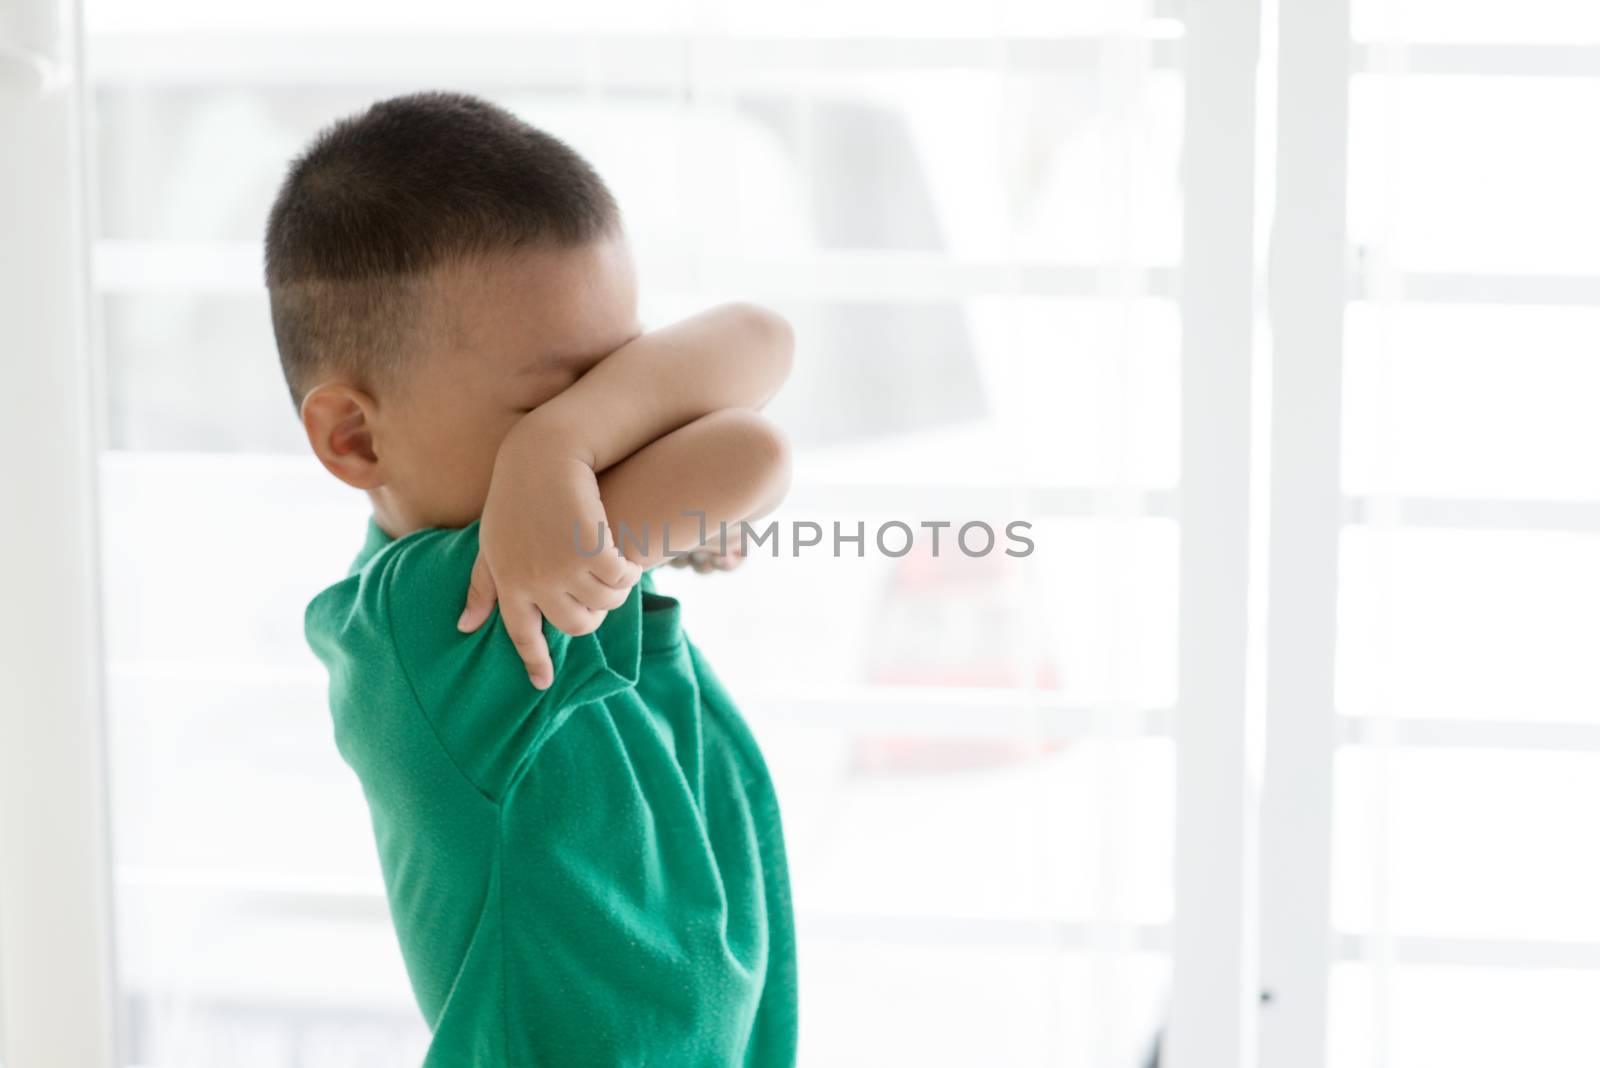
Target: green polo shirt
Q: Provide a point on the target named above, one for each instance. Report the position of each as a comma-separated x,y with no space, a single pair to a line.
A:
592,875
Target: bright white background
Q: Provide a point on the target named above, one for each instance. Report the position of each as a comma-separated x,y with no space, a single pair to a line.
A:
985,222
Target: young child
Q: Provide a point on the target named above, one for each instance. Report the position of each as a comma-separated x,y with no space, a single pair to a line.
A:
579,839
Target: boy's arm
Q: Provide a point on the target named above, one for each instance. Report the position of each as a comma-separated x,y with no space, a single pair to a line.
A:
719,553
724,467
732,356
545,501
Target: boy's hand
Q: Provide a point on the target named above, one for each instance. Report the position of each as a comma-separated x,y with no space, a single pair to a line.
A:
530,560
709,558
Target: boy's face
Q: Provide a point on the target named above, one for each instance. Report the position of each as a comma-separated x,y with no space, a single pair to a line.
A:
508,333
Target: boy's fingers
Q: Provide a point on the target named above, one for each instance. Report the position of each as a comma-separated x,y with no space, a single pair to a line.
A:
614,570
525,624
565,614
596,595
574,617
480,597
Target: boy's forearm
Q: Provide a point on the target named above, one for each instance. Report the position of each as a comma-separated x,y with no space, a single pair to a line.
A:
728,466
732,356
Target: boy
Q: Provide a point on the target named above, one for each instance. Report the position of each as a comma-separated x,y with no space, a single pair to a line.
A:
580,843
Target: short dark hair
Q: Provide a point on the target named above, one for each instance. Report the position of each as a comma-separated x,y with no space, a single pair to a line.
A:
383,198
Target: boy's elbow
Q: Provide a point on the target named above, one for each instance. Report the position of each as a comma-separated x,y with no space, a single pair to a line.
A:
762,461
769,334
772,449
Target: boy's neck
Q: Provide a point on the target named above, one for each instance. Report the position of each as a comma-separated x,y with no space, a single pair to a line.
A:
390,516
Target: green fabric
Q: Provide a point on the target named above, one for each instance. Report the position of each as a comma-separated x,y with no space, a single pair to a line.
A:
592,875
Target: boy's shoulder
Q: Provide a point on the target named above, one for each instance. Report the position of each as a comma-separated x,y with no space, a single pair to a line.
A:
422,570
390,616
387,634
402,597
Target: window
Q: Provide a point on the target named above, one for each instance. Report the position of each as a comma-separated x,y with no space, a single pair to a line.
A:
976,231
1434,691
1275,321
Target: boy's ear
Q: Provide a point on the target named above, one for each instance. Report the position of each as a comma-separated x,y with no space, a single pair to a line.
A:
339,422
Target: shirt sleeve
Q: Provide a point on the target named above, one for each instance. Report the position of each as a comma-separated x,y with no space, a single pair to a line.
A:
473,688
